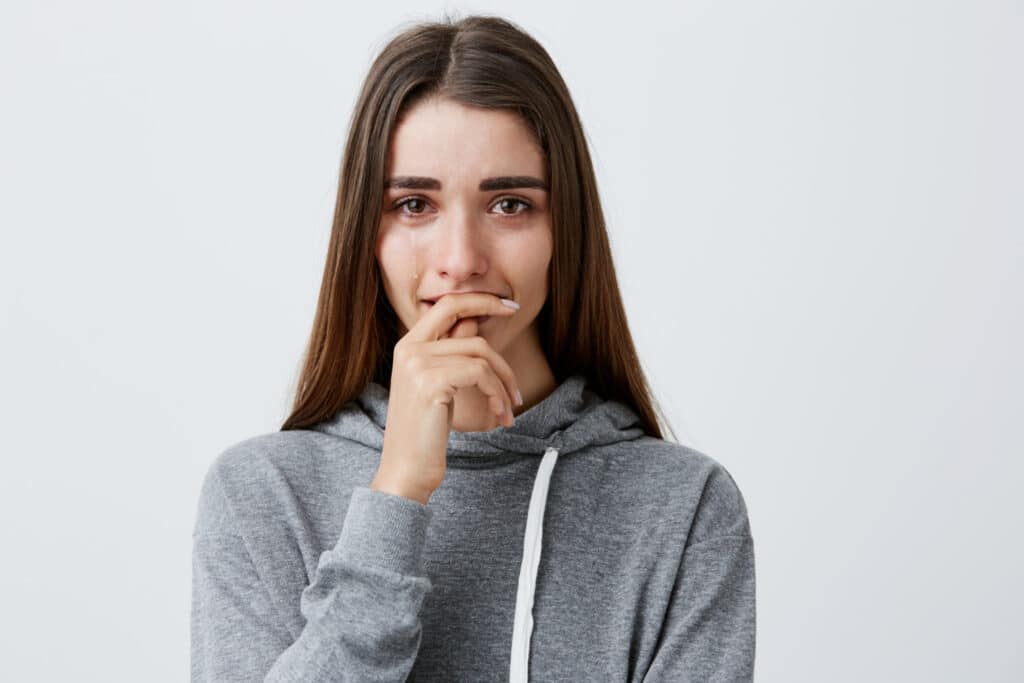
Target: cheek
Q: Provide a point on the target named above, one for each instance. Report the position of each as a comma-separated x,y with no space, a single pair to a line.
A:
532,267
394,257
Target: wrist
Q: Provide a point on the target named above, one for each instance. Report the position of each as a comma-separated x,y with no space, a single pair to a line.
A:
398,488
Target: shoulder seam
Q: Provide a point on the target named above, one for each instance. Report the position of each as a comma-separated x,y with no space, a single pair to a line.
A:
234,522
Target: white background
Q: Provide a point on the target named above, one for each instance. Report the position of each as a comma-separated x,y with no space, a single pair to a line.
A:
816,210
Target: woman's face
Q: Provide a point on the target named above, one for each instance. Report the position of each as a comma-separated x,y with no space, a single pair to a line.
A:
454,230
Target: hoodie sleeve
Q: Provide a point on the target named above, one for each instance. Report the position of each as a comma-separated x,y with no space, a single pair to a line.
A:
361,609
709,632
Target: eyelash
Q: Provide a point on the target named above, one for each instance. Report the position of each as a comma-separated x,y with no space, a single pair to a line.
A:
527,207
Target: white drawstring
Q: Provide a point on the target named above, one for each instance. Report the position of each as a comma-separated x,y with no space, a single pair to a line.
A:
522,627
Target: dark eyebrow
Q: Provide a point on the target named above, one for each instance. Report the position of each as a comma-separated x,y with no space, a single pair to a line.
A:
511,182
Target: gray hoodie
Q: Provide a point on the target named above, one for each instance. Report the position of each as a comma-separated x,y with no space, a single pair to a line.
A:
570,547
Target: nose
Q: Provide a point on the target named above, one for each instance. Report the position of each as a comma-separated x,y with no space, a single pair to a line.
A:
457,251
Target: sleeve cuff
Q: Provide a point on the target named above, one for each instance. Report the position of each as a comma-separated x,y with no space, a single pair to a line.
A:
384,530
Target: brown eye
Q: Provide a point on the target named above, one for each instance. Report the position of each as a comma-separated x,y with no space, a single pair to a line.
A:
512,202
407,202
415,206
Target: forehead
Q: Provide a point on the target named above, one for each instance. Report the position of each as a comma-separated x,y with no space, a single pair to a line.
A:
448,140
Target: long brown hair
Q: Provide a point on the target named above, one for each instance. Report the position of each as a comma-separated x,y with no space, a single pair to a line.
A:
479,61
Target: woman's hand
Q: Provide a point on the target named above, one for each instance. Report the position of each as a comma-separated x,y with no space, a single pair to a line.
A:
440,354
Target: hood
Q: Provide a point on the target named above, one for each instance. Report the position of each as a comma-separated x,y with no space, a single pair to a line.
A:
568,419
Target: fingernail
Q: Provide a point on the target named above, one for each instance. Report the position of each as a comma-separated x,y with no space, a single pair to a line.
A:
519,398
510,303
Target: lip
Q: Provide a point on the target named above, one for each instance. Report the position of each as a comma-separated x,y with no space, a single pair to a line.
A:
434,299
480,319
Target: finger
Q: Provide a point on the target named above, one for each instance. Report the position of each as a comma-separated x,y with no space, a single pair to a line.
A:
452,308
472,372
478,346
464,328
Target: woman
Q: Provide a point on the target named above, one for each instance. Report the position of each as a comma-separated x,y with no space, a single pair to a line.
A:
472,484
